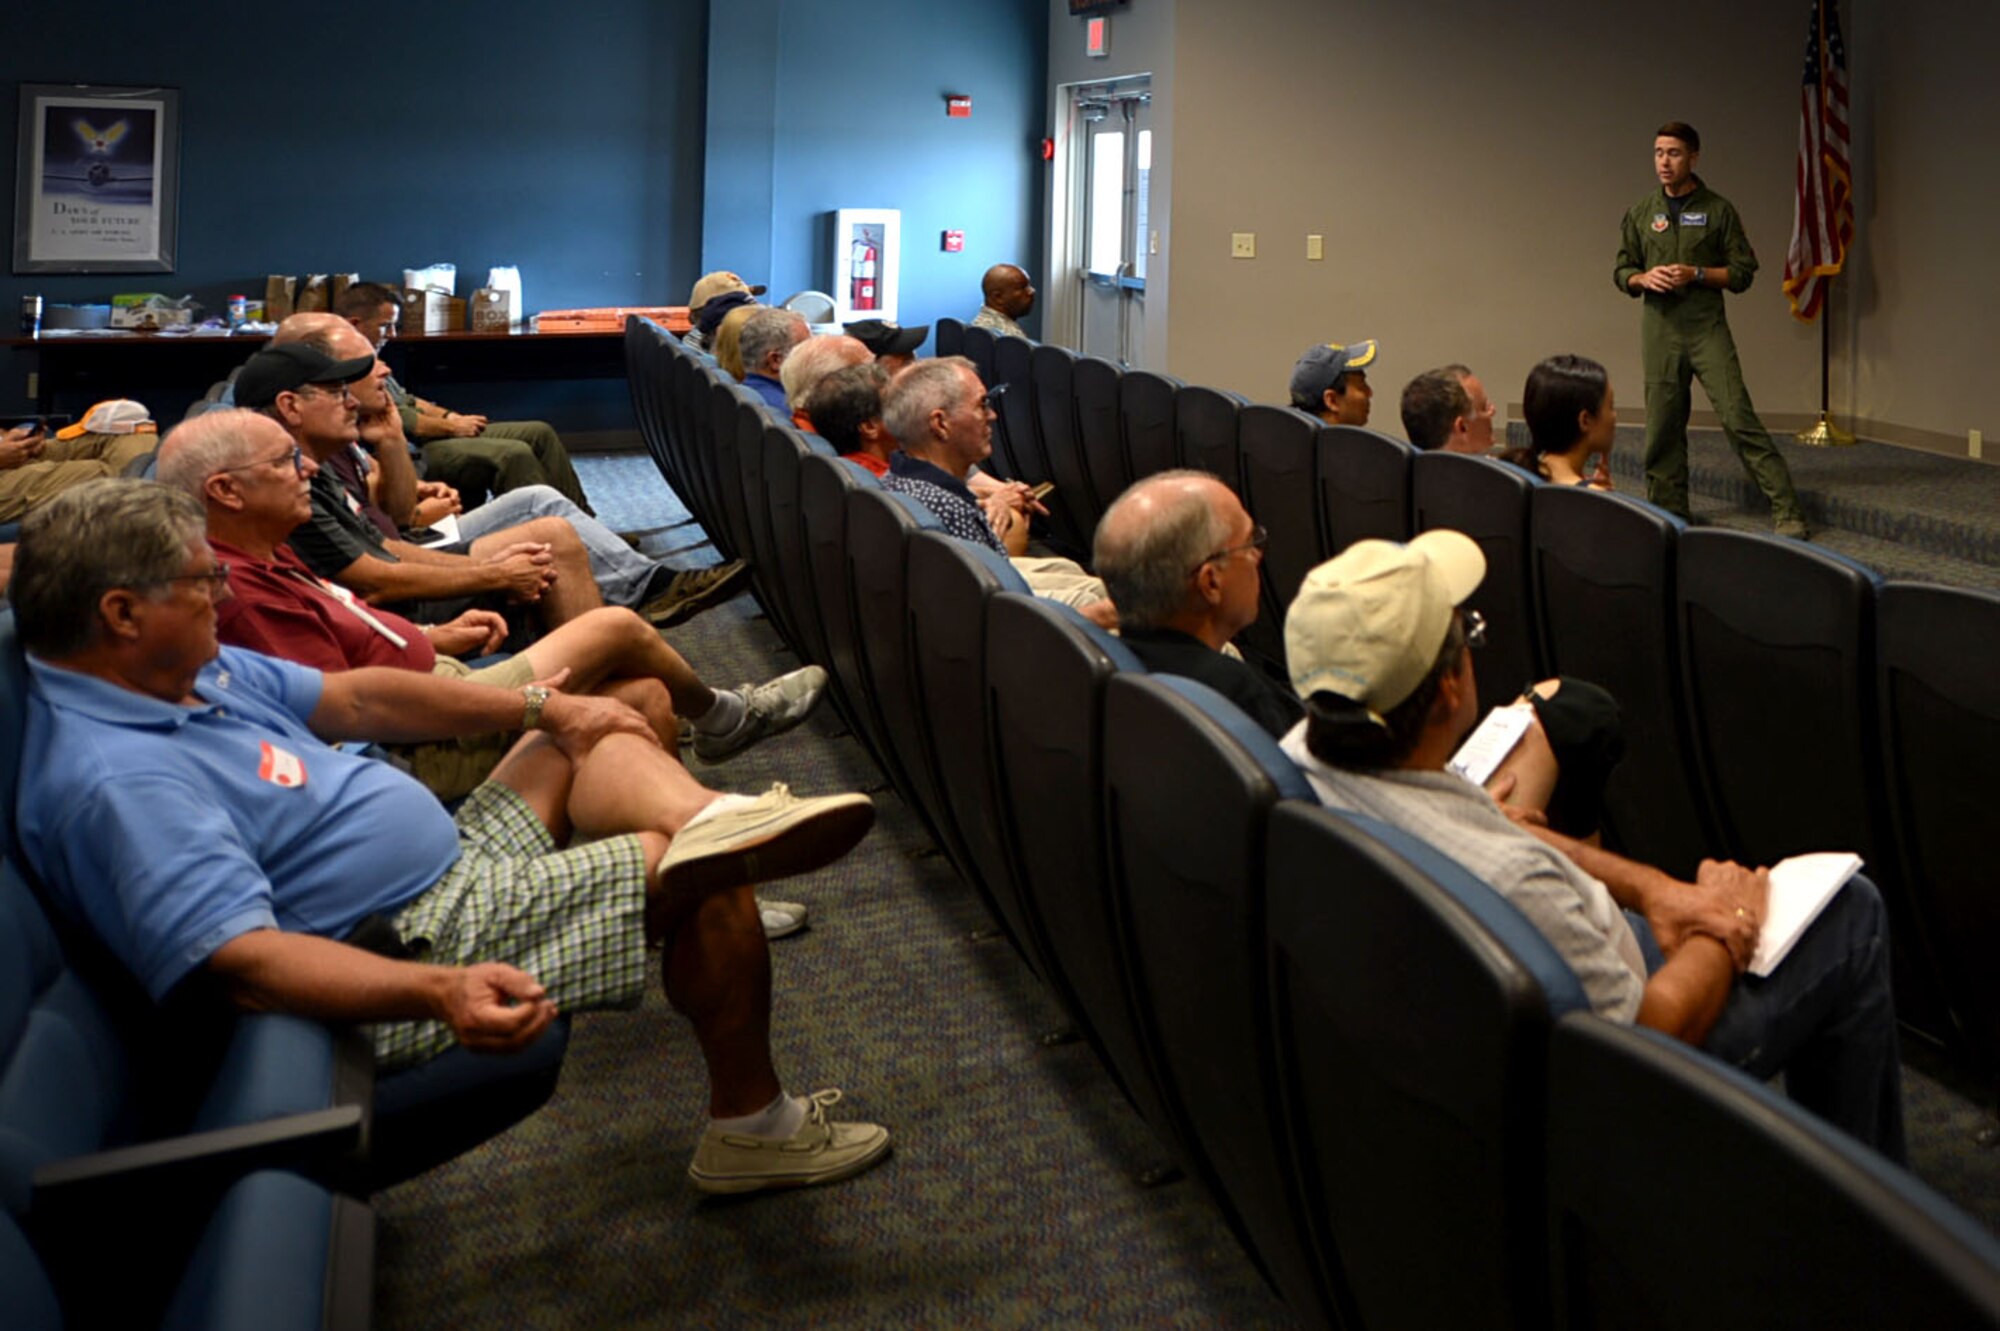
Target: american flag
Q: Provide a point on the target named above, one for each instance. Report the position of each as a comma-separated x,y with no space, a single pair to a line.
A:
1823,211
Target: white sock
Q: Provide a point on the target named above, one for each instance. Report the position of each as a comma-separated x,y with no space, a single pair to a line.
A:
775,1121
725,716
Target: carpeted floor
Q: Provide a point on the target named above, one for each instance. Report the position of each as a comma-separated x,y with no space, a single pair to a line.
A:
1010,1199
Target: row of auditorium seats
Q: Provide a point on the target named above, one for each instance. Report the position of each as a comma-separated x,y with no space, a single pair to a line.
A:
1778,698
185,1166
1370,1060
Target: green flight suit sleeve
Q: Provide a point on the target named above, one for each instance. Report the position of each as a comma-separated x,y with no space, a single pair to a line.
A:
1631,256
1741,258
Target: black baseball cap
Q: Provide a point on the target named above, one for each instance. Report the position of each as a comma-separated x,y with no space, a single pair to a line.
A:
885,338
282,369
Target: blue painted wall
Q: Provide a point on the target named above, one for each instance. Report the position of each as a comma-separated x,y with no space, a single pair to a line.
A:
858,120
614,149
566,139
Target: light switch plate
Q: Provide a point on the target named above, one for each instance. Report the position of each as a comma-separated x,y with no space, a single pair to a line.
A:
1243,244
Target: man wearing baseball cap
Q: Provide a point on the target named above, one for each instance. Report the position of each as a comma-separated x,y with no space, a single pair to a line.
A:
889,342
714,296
1380,649
110,437
1331,382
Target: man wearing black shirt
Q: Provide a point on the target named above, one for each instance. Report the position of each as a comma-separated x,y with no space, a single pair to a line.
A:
1180,557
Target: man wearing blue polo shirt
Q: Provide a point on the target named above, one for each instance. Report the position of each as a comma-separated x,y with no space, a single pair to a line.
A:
185,807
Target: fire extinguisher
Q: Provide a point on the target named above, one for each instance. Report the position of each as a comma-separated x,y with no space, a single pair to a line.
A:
864,297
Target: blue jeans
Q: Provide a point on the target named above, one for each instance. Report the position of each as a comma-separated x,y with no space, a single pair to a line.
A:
625,576
1824,1018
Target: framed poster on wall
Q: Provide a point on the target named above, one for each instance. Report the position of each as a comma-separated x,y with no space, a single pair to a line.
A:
867,255
97,179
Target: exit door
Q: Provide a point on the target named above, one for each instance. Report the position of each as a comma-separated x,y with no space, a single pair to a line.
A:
1116,142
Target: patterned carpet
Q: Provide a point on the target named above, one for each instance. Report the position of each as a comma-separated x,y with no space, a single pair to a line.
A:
1010,1199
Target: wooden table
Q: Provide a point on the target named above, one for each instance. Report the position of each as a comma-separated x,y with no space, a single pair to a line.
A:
169,371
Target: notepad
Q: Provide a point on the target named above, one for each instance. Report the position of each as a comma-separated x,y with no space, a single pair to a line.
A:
1490,743
1800,888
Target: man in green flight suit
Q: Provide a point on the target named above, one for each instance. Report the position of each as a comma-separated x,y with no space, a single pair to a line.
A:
1682,247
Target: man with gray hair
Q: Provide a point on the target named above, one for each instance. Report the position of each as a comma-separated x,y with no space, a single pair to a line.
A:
188,809
767,339
814,361
1447,409
1180,558
941,415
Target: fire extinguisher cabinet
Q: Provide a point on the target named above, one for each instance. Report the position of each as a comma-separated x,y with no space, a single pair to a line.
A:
867,255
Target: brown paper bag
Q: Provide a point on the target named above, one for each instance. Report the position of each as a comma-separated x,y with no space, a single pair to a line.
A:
312,293
492,310
337,287
278,292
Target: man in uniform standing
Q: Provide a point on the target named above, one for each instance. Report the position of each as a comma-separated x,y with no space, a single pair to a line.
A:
1682,247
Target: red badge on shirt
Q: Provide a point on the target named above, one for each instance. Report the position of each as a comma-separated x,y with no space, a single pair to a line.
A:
280,768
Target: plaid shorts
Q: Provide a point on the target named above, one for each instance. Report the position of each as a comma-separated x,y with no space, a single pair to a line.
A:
574,919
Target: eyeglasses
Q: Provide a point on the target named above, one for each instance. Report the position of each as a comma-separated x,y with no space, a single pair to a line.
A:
337,391
217,579
1475,629
1259,538
295,457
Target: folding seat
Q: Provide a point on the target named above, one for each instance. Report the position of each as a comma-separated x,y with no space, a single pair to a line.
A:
978,347
1019,424
950,582
1146,410
879,525
1099,436
1778,663
725,440
1046,667
1278,448
1778,667
639,379
1604,579
1205,432
1940,727
948,337
703,501
752,422
1072,519
784,453
824,484
1364,486
1412,1007
1682,1193
1488,501
1188,784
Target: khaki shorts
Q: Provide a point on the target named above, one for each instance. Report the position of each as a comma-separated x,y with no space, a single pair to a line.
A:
574,919
451,768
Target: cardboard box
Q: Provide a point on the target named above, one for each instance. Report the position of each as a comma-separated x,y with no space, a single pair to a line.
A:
424,312
492,310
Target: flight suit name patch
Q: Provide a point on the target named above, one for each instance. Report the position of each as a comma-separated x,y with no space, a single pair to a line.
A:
1694,219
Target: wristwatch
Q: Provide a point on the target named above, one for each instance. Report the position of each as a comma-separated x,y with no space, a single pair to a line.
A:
537,697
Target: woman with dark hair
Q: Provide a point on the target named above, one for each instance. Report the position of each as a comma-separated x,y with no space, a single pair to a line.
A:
1571,416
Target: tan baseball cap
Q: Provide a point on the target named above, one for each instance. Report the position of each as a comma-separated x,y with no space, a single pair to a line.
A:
715,284
1368,624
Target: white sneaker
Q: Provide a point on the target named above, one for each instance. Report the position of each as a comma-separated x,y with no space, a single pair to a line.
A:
773,836
769,709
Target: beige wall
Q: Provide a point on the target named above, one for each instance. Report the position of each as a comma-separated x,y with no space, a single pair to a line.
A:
1468,164
1924,286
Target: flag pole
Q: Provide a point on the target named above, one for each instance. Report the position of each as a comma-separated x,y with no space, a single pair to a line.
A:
1823,433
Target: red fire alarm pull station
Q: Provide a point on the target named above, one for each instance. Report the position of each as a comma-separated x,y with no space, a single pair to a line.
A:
958,106
1097,37
954,242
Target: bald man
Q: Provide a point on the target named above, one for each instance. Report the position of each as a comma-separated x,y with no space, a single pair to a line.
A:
1180,558
1009,296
